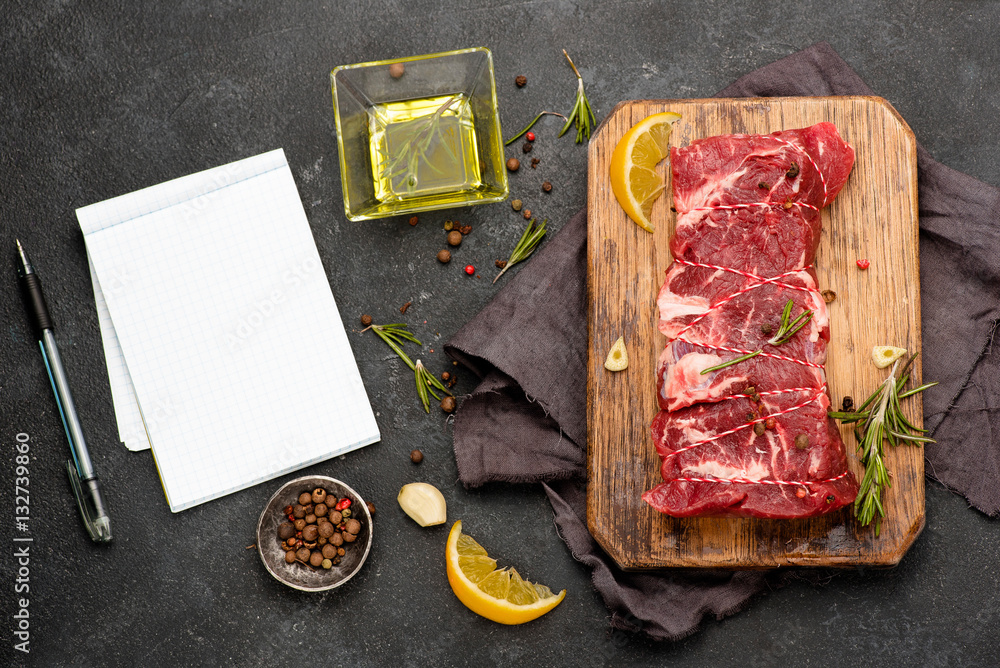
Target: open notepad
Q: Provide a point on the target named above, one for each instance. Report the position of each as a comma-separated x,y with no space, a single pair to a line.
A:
225,349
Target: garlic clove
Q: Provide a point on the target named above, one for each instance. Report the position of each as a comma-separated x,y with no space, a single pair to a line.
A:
883,356
424,503
617,359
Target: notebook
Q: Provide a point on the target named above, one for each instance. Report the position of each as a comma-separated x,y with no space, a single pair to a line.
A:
225,350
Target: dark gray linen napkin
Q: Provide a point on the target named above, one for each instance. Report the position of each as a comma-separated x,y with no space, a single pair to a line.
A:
526,421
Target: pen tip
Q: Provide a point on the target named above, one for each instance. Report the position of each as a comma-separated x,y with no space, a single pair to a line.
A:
18,244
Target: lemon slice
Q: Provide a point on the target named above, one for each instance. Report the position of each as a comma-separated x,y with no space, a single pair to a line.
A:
883,356
617,359
498,594
633,166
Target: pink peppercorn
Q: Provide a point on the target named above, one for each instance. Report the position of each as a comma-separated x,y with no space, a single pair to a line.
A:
863,264
469,269
530,136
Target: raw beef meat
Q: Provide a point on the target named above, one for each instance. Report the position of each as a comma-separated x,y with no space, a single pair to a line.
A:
748,225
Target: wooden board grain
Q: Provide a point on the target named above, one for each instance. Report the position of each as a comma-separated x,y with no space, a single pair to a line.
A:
874,217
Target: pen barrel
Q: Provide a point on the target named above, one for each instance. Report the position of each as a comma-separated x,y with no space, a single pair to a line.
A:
36,303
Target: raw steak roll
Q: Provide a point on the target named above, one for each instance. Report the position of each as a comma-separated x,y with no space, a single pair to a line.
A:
752,438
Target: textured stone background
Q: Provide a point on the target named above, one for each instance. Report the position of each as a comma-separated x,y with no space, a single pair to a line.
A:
100,99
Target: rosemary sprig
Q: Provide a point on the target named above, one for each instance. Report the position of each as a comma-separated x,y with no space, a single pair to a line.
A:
531,125
742,358
526,246
880,420
395,335
788,326
581,113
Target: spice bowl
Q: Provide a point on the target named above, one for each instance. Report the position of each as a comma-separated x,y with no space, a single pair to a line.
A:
301,576
418,134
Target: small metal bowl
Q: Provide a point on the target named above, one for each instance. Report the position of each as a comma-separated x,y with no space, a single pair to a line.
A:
297,575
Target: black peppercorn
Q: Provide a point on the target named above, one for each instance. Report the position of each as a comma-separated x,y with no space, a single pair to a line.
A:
848,403
793,171
526,147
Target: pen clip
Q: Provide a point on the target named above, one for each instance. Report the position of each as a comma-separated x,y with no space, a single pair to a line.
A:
97,523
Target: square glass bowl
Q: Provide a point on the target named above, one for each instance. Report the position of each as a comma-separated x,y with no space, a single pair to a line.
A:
418,134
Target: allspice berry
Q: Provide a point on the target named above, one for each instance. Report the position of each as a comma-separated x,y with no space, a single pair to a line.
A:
290,557
286,531
547,187
348,537
397,70
454,238
315,559
353,526
416,456
305,498
366,320
520,80
310,533
444,256
448,404
513,165
371,508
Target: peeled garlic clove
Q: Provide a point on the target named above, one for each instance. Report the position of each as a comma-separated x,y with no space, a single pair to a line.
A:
883,356
617,359
424,503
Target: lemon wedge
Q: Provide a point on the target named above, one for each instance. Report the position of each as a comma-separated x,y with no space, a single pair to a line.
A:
633,166
883,356
498,594
617,359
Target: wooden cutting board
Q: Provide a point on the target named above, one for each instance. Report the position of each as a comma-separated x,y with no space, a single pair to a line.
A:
873,217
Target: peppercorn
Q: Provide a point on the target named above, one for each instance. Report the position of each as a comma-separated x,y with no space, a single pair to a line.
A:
286,531
793,171
770,423
343,504
802,441
325,530
520,80
759,428
801,493
448,225
371,508
346,512
320,510
397,70
329,551
327,564
341,552
831,498
413,221
466,230
448,404
516,205
315,559
303,554
353,527
287,510
366,320
454,238
764,185
299,511
310,519
546,187
348,537
445,376
863,264
469,269
444,256
500,264
310,533
527,214
305,498
416,456
405,307
513,165
526,147
335,517
300,524
336,539
289,557
530,136
848,403
766,328
829,296
534,163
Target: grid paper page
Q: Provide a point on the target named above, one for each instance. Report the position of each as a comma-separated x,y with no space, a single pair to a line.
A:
240,363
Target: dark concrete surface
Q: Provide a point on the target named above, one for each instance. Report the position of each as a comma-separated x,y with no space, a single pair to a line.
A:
100,99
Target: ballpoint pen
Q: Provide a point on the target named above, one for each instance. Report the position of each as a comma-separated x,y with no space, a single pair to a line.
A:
81,471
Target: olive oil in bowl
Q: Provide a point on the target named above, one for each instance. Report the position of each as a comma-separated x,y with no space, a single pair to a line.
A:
423,147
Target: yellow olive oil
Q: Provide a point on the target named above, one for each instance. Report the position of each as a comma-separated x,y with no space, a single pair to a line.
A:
423,148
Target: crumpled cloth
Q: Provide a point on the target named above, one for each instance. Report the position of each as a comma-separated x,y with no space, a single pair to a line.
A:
526,421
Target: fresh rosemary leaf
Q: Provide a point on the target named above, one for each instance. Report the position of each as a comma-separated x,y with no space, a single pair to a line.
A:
394,335
731,362
581,114
789,327
531,125
530,239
